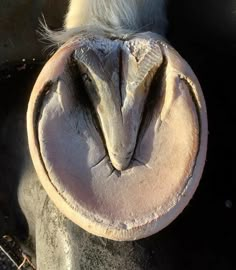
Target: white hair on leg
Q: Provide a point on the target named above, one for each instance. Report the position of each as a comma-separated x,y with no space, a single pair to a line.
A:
117,17
77,13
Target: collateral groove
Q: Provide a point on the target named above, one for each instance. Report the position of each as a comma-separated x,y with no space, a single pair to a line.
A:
76,72
99,161
140,162
120,79
155,99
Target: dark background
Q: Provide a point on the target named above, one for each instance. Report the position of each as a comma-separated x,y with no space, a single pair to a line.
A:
204,33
